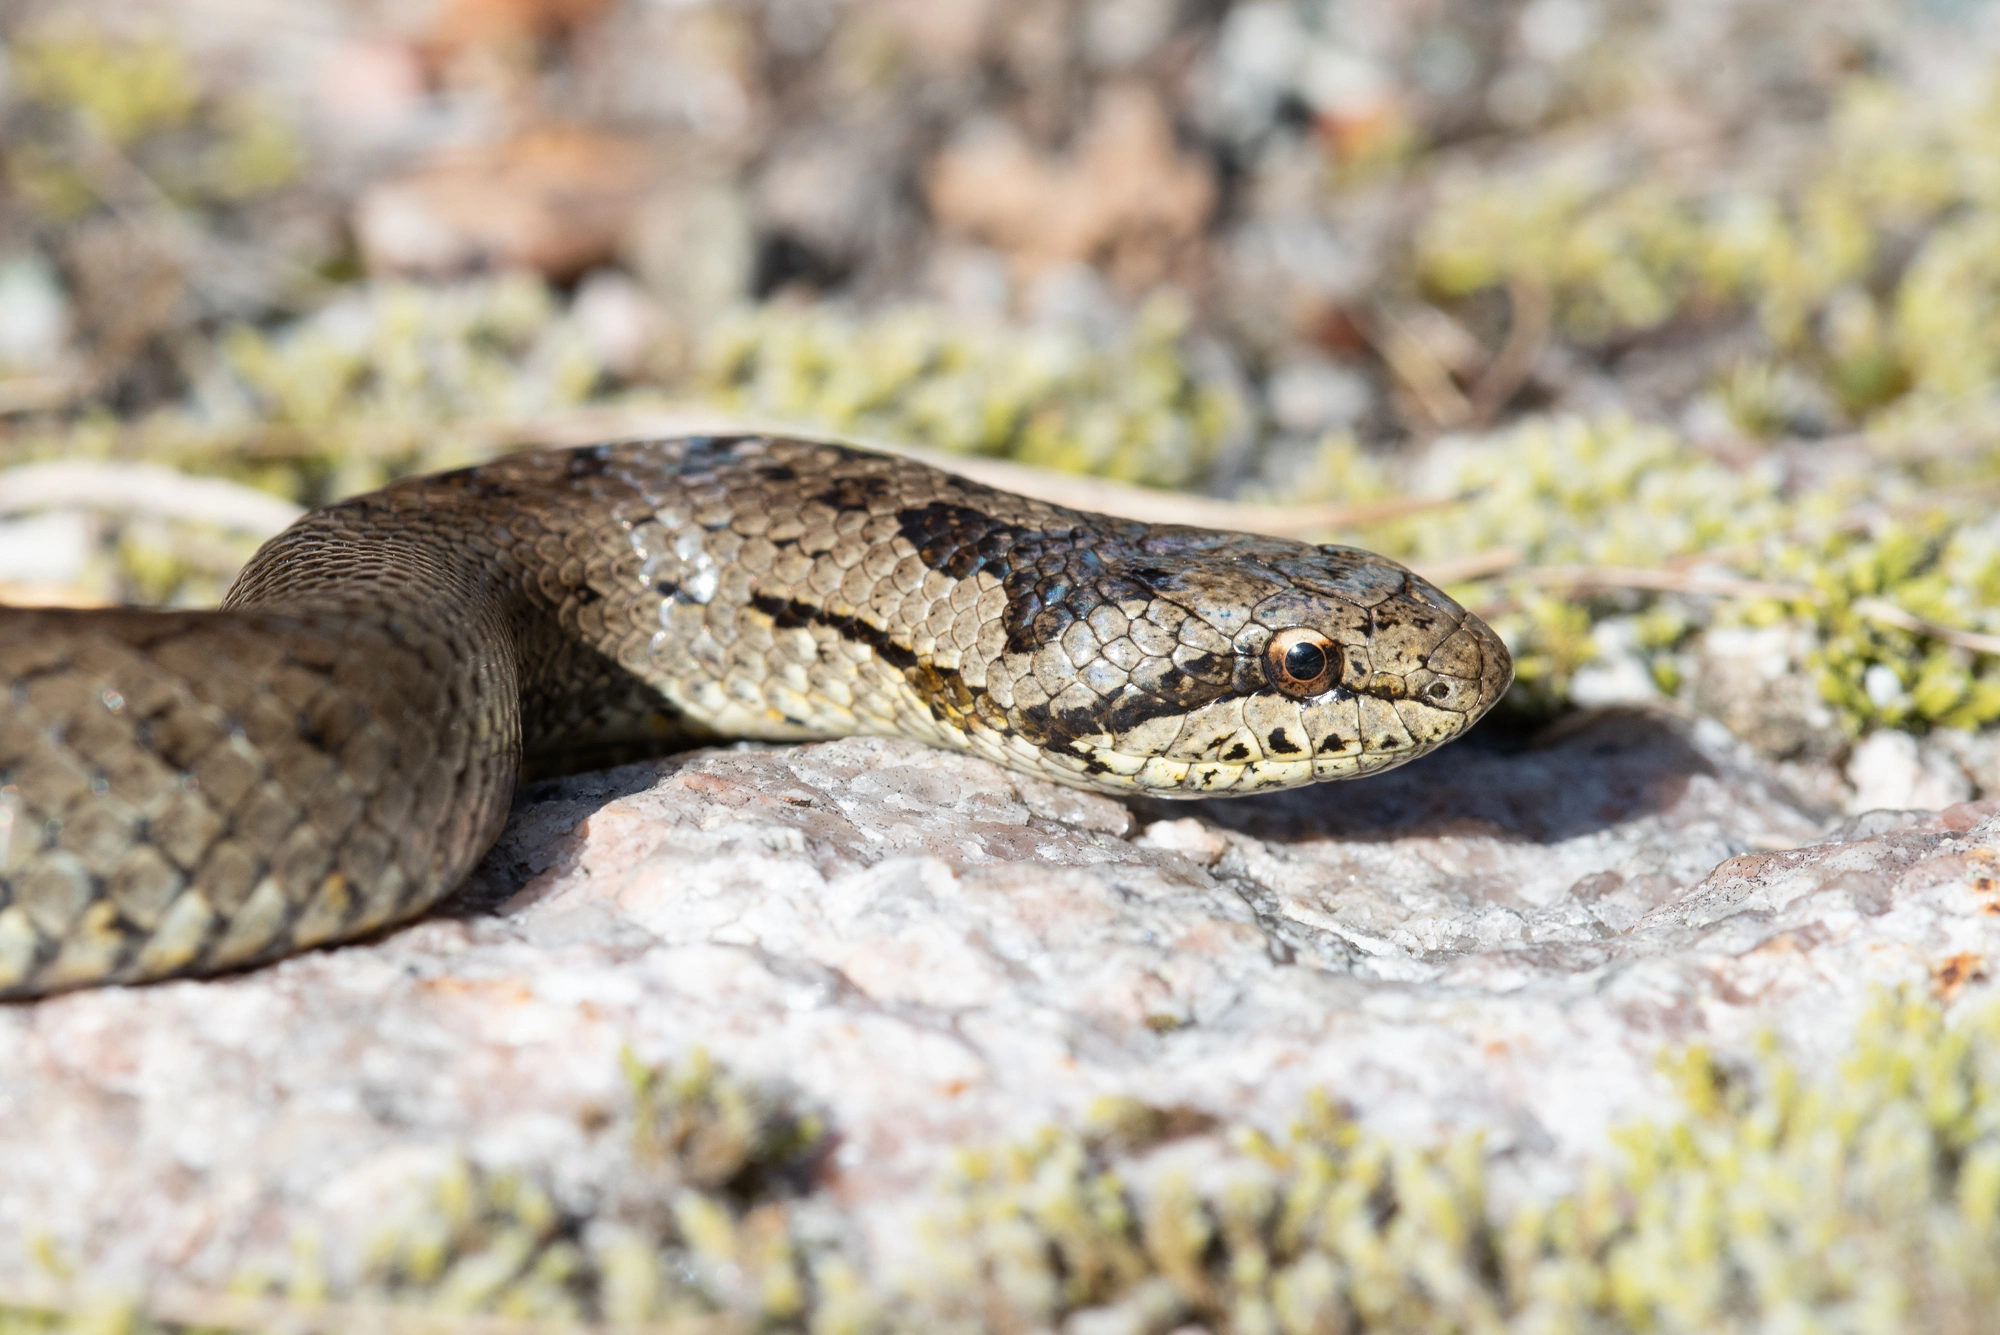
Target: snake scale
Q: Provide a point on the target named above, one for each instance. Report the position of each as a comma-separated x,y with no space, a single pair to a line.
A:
186,792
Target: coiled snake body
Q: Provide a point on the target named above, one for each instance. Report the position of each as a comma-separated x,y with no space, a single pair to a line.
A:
188,792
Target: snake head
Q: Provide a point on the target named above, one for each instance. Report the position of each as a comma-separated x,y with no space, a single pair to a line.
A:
1209,663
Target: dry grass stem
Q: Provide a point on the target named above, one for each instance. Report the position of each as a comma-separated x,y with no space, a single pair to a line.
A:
1660,579
1888,614
153,490
1532,318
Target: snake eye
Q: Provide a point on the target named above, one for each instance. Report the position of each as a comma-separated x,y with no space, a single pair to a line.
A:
1302,662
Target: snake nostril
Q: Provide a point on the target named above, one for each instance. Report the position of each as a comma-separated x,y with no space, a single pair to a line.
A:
1438,690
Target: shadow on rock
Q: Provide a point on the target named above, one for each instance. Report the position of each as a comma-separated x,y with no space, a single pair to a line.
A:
1585,772
543,829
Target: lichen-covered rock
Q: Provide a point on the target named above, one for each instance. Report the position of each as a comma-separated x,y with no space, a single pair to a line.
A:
927,953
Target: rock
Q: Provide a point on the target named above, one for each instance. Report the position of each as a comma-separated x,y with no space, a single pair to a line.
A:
1760,683
620,322
34,315
1977,755
934,953
694,244
49,550
1893,770
1312,395
1619,675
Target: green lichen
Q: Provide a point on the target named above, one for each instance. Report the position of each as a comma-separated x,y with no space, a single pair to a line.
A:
1864,1199
700,1228
89,112
1857,1196
395,378
1624,247
1131,409
1611,494
696,1235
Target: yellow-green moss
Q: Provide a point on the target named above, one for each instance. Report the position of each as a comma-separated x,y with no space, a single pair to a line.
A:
1863,1196
1623,249
140,98
1130,409
1613,493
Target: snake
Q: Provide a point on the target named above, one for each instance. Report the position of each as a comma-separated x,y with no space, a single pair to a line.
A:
331,751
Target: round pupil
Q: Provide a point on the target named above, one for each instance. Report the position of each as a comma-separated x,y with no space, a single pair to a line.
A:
1305,661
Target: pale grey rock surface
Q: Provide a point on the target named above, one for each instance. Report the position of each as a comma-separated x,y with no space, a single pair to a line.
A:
935,953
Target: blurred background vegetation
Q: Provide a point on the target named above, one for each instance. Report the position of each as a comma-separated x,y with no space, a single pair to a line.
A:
1676,318
1679,315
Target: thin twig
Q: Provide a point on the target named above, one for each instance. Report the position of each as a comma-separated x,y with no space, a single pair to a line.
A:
1532,314
1102,495
134,488
1888,614
1421,372
1152,506
1661,580
1464,569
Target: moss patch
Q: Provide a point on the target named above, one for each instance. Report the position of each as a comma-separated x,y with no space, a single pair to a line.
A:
1864,1197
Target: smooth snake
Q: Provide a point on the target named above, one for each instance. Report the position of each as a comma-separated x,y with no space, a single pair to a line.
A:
187,792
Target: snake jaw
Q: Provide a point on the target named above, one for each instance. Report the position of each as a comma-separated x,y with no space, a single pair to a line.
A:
1416,671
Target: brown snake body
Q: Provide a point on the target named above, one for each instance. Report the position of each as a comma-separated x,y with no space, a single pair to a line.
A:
330,753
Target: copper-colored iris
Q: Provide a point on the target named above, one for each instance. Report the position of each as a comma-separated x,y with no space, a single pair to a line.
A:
1302,662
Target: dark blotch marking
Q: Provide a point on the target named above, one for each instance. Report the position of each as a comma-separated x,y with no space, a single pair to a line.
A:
957,539
1134,707
1200,665
1238,752
852,493
1050,576
791,614
1034,723
1283,744
590,461
950,698
471,481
